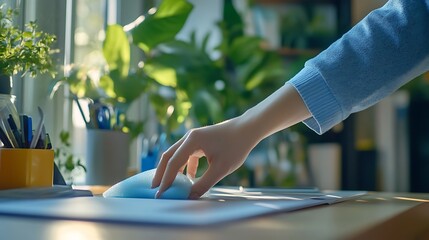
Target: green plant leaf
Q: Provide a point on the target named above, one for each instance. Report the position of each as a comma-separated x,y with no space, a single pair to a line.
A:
134,128
169,8
171,111
125,89
160,105
116,49
181,109
64,137
164,75
69,164
232,21
246,70
161,26
181,64
206,108
108,85
133,87
266,71
80,164
205,42
242,48
26,51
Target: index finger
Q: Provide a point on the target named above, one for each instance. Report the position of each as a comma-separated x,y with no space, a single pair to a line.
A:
179,158
159,173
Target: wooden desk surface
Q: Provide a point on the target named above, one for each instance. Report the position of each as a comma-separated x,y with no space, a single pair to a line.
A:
374,214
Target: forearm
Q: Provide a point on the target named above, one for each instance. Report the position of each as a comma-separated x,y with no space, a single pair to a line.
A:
280,110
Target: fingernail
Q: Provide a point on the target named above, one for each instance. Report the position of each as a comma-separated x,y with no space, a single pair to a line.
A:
158,194
192,178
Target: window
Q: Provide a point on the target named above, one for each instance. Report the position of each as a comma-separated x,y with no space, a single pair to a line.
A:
79,26
90,20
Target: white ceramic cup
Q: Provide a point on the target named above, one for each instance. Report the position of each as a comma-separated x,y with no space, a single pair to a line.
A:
107,156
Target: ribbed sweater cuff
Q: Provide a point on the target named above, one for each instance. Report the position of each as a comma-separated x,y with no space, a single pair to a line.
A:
325,110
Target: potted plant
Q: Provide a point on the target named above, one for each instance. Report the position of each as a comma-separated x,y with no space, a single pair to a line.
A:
25,51
116,83
210,89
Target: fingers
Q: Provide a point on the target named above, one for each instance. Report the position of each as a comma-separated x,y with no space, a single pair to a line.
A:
208,180
173,164
165,158
182,169
191,169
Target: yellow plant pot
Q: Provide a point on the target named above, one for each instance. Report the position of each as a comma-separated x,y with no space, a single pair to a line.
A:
21,168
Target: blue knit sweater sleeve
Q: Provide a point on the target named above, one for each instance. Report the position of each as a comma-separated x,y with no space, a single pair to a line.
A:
381,53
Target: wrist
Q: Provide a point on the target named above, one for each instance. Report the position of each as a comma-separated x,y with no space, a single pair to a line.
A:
248,128
280,110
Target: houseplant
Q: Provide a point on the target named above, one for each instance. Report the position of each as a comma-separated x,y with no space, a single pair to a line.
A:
216,88
220,87
203,89
22,51
117,82
25,51
200,89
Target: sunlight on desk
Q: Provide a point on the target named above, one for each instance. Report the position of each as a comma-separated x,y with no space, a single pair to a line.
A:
411,199
381,199
368,214
73,230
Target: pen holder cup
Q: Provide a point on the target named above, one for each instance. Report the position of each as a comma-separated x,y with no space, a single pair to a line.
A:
22,168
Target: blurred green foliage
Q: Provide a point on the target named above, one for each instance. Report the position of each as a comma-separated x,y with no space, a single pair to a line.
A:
181,78
218,88
419,87
116,82
25,50
69,165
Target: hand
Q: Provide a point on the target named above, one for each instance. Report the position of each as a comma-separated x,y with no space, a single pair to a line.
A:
225,145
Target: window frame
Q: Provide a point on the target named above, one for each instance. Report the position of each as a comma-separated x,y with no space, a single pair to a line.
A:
51,16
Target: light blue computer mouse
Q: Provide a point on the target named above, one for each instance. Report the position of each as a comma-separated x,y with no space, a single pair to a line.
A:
139,186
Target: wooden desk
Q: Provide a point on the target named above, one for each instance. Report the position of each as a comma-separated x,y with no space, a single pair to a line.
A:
374,213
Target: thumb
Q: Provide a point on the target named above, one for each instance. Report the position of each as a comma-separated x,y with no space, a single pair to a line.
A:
204,183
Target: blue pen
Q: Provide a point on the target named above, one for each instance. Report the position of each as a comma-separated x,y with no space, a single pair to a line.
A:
15,130
4,139
27,130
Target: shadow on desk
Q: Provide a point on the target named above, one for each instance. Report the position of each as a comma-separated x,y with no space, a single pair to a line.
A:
411,224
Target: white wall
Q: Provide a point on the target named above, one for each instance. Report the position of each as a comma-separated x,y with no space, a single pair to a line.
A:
203,19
